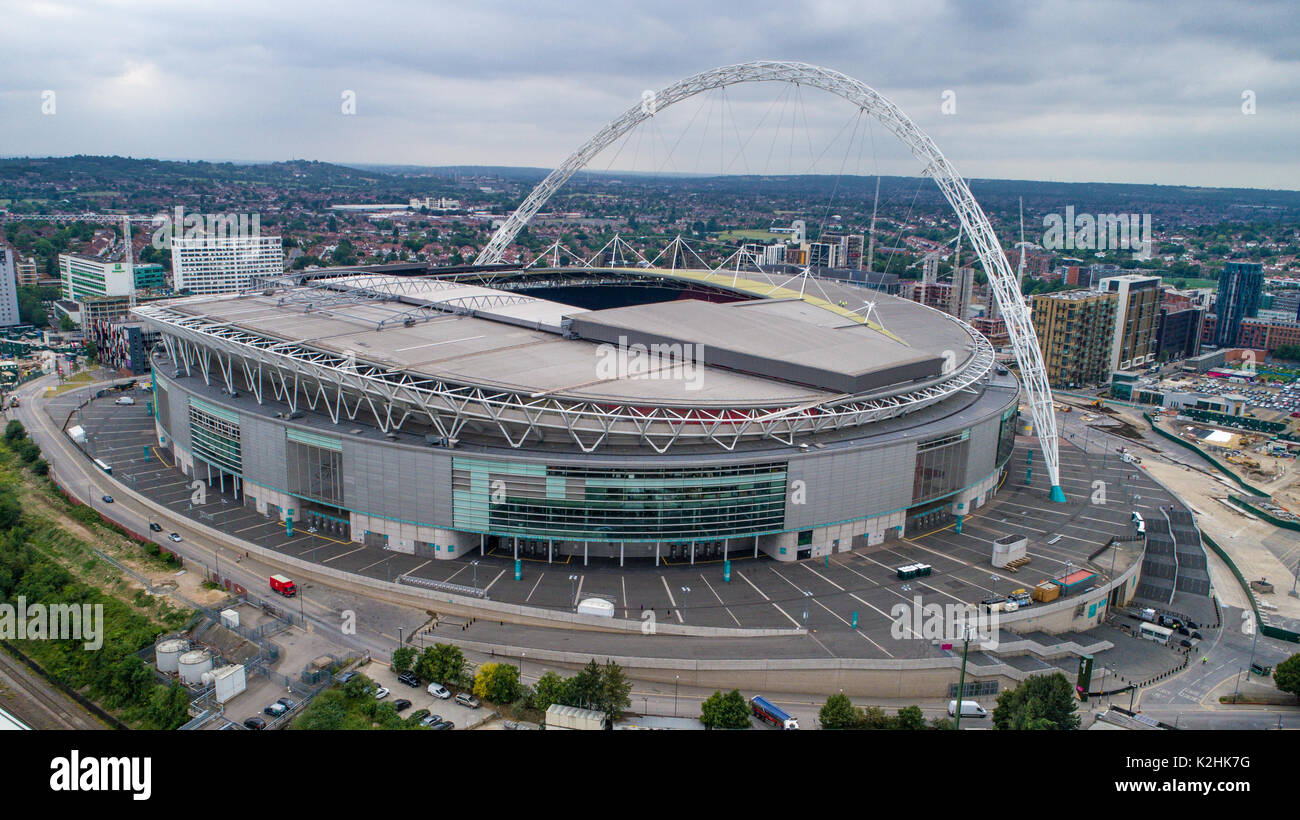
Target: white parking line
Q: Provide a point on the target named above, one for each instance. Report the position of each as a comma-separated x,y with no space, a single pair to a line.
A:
534,589
823,577
343,555
719,597
494,580
671,600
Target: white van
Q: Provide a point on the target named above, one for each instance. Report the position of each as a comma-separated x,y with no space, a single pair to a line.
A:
969,708
125,400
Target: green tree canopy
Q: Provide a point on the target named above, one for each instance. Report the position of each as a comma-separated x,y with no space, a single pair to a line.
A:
1041,702
729,711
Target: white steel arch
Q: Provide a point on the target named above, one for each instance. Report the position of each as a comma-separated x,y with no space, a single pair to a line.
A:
934,164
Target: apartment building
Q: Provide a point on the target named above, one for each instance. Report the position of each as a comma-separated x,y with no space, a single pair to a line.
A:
1076,329
1137,319
224,264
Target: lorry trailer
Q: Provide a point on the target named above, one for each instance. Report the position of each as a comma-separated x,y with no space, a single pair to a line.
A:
769,712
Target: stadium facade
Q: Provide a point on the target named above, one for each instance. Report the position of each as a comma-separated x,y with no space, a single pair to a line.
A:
629,414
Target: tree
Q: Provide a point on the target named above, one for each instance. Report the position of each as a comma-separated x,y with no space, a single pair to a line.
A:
497,683
550,689
1287,675
727,711
873,717
14,431
584,689
838,713
615,690
1041,702
403,659
910,718
442,663
169,707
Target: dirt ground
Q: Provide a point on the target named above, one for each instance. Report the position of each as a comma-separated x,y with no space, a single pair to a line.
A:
1253,543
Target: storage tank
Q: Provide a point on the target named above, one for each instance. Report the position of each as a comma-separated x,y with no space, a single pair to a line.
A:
193,664
228,680
168,651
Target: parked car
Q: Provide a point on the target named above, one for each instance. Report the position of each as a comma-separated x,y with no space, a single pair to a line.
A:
410,679
466,699
347,676
154,526
439,691
441,725
275,709
1196,635
381,693
401,703
107,499
1185,643
176,536
430,719
287,703
417,716
1182,630
254,723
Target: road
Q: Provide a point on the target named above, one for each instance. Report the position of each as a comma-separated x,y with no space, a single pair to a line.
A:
322,608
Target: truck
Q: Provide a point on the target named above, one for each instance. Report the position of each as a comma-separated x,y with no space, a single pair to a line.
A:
284,586
769,712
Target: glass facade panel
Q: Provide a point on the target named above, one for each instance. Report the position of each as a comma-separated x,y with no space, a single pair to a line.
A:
940,466
576,503
214,436
1007,435
315,471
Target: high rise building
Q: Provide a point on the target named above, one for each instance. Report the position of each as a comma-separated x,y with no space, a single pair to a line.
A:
26,271
1178,332
959,298
1137,318
8,287
224,264
1075,331
851,245
824,254
1240,285
930,268
87,276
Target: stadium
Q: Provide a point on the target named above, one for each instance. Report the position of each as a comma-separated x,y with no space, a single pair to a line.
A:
618,413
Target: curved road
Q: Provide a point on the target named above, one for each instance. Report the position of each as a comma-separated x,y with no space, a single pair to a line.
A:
321,607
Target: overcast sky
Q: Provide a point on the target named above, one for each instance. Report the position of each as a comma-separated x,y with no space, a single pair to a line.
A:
1095,91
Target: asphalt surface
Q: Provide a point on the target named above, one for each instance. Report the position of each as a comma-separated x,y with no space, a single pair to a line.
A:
762,593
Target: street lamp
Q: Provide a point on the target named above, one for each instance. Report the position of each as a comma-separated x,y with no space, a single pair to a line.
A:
675,679
474,564
573,590
685,591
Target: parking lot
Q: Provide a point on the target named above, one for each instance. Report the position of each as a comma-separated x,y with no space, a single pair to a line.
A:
463,717
824,595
